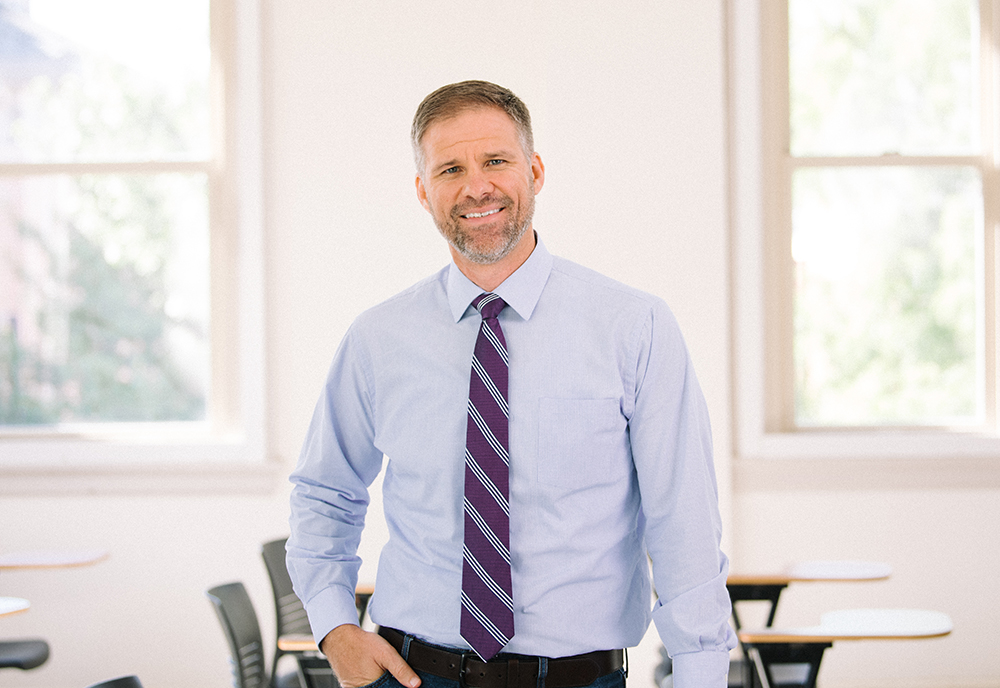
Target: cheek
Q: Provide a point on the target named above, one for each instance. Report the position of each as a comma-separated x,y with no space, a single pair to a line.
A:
439,207
440,197
438,204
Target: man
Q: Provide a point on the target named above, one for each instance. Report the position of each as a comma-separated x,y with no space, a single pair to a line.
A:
537,451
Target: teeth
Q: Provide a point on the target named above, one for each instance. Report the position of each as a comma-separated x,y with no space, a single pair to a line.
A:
488,212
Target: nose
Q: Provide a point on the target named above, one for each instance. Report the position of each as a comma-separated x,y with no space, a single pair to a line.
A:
477,184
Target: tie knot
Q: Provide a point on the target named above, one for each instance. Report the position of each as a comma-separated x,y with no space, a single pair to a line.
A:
488,305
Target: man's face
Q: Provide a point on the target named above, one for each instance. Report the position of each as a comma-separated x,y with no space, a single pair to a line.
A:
478,184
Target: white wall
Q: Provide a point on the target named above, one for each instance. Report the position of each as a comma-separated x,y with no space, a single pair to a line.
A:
629,111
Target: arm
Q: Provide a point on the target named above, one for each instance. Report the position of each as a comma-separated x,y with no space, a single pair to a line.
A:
672,449
329,500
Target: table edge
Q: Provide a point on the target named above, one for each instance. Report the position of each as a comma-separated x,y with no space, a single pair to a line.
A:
764,638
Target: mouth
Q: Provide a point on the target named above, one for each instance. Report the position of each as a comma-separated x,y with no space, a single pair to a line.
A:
484,213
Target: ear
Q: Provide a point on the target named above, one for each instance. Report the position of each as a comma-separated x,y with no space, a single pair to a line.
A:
537,171
422,193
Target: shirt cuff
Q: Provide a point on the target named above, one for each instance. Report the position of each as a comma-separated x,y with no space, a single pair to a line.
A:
706,669
332,607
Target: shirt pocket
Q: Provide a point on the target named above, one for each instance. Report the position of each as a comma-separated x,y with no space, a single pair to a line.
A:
581,442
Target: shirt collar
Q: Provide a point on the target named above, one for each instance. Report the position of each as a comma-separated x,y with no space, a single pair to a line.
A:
520,291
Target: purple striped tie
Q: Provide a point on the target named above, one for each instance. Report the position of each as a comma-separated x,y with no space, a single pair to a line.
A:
487,604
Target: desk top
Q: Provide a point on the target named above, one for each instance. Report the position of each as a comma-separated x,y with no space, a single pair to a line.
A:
51,559
858,624
829,571
297,642
12,605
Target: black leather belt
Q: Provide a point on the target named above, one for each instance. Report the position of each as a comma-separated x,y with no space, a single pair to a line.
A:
506,672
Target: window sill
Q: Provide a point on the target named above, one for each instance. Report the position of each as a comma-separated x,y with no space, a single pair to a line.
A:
202,478
869,459
93,465
890,443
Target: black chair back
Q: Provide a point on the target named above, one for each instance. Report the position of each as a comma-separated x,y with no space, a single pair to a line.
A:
23,654
120,682
288,611
290,617
239,622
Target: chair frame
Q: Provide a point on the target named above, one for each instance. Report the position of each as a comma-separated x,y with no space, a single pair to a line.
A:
23,653
289,614
234,608
120,682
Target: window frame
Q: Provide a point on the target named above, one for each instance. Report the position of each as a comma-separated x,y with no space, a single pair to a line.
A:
232,442
760,194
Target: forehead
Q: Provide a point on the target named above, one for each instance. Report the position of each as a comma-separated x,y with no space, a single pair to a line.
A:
484,127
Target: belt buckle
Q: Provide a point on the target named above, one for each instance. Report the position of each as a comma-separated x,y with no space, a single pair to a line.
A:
461,668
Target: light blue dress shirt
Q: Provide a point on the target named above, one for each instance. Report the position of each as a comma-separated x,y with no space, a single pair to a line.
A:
611,459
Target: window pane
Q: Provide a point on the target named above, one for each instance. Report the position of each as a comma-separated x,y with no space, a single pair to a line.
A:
103,80
887,296
104,298
869,77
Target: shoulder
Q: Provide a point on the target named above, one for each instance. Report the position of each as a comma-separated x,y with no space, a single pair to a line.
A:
601,292
426,298
635,318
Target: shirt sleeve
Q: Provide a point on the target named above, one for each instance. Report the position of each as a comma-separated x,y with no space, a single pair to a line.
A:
329,497
672,450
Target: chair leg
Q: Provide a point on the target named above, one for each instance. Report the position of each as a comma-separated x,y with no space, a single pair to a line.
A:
756,672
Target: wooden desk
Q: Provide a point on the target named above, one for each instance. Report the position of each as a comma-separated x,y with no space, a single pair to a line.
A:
805,645
297,642
768,586
51,559
13,605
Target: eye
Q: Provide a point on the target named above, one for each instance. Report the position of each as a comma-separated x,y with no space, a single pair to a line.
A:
450,170
496,161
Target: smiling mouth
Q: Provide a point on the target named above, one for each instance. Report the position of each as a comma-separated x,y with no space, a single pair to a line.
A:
483,214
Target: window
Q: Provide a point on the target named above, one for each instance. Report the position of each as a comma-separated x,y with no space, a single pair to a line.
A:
129,231
865,149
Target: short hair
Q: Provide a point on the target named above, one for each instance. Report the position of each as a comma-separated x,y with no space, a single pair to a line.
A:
453,99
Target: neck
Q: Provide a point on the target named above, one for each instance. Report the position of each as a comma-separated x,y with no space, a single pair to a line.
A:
489,277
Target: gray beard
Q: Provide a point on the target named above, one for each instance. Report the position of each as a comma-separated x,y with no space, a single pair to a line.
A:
465,243
512,234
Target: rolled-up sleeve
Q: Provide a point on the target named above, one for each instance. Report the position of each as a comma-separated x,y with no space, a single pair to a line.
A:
672,451
329,496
